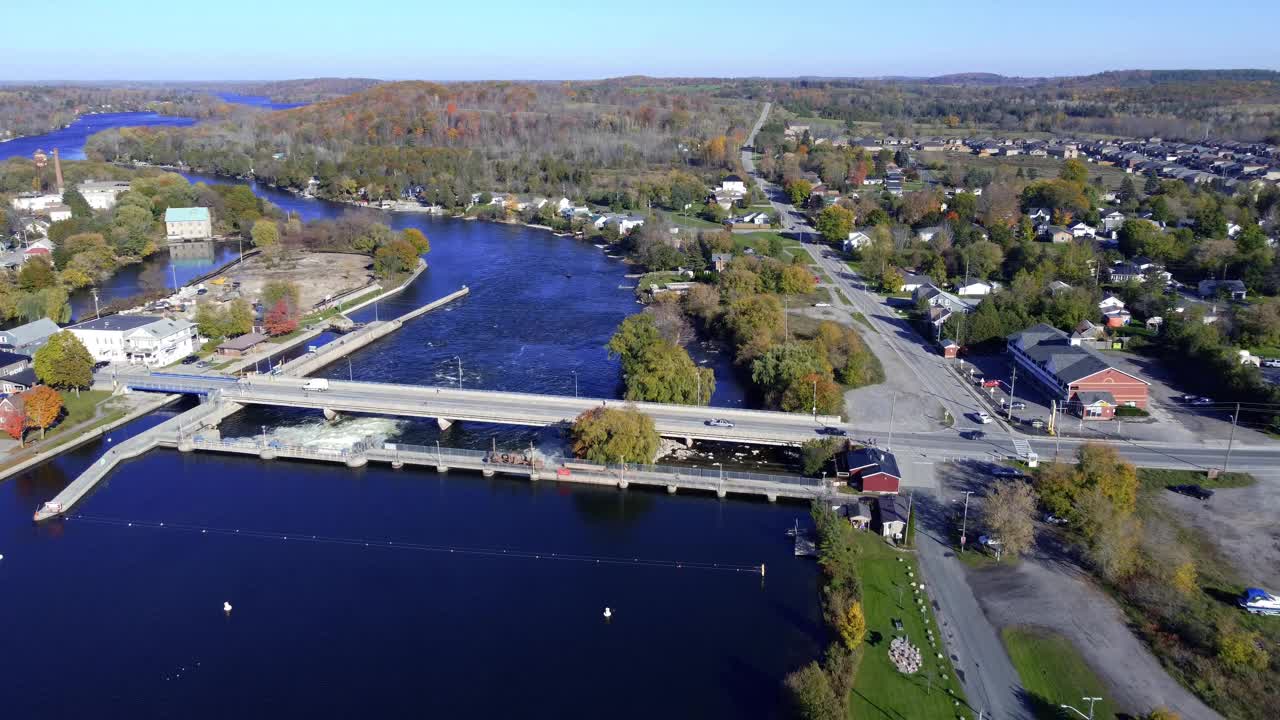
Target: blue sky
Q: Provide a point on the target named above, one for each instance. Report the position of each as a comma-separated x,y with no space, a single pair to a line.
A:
491,39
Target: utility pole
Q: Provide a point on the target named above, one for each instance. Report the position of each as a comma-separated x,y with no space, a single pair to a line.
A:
1013,384
1234,419
815,400
1057,436
94,293
964,524
893,410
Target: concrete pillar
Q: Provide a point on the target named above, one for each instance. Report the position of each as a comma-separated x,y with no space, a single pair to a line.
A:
444,423
330,415
442,468
721,493
772,497
487,472
186,446
622,484
533,476
356,461
397,464
671,489
688,442
267,454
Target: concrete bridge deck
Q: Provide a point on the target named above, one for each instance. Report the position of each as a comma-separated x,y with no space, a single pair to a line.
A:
446,404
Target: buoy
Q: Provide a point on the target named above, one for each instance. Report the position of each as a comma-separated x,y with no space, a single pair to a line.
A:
226,607
608,613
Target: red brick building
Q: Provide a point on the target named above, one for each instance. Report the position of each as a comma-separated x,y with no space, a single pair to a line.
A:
1078,377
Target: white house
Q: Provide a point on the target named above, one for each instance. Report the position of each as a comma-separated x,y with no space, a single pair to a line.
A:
192,223
857,239
1110,302
144,339
1113,220
733,184
977,288
58,213
101,195
1081,229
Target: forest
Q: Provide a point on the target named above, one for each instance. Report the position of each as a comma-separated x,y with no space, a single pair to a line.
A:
448,141
35,109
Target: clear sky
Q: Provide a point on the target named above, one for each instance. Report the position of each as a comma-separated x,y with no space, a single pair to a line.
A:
572,39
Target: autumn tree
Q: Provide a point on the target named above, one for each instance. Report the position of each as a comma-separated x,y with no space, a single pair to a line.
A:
417,240
1009,512
1100,466
266,234
1241,650
834,223
43,406
280,319
64,362
395,258
852,626
609,435
15,425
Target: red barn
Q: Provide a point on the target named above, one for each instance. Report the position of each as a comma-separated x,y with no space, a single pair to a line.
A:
870,470
1077,376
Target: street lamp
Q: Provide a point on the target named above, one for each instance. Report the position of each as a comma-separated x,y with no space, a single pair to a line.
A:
964,525
815,400
1091,700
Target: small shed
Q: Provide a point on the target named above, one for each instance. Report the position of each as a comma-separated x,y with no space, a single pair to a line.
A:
950,349
239,346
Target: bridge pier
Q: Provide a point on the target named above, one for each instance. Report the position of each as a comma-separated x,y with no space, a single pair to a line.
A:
267,454
771,497
622,484
330,415
356,461
721,493
671,489
533,476
444,423
397,464
442,468
487,472
688,442
186,446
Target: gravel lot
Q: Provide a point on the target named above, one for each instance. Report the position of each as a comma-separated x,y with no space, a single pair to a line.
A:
316,274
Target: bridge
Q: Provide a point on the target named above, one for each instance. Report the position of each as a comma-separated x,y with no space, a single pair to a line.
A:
447,405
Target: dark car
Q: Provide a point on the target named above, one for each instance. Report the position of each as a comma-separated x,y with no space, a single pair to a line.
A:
973,435
190,359
99,365
833,431
1193,491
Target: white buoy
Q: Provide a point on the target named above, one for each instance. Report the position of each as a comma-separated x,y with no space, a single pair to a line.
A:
226,607
608,613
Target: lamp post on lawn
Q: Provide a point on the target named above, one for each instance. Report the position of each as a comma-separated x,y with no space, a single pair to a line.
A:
964,524
1091,700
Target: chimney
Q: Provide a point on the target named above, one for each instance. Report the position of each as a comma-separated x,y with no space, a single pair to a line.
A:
57,169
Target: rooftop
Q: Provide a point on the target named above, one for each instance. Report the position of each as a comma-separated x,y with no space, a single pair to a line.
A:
1051,348
118,322
190,214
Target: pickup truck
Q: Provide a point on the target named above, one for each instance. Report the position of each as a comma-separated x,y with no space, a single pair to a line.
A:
319,384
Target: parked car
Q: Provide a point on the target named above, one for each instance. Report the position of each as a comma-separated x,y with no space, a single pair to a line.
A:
719,422
1194,491
1017,404
1037,424
1054,519
833,431
1271,362
1004,471
821,304
990,383
1202,401
190,359
99,365
982,417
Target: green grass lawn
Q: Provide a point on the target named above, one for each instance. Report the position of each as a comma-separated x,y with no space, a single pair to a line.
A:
759,243
861,318
1053,672
1157,478
690,221
880,691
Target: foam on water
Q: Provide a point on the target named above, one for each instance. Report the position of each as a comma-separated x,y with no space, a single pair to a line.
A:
340,434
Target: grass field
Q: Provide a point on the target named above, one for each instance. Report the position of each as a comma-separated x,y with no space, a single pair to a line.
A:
1053,672
760,241
697,223
880,691
1046,168
1157,478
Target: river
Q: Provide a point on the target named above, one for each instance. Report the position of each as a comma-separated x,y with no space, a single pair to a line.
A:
101,618
70,140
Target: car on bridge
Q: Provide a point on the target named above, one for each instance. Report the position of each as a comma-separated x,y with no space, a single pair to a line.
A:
719,423
839,432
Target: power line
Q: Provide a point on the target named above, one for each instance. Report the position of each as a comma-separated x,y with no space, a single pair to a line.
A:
419,547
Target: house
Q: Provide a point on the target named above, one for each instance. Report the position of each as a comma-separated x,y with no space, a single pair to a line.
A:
102,195
240,346
733,184
36,227
1039,215
1112,220
1110,302
977,288
720,261
925,234
146,339
1082,229
950,349
856,240
623,223
1057,286
1117,318
13,363
1065,370
18,382
10,406
1087,333
911,281
1212,288
1065,152
58,213
1123,272
869,469
39,247
26,339
1095,405
859,513
1056,234
192,223
894,514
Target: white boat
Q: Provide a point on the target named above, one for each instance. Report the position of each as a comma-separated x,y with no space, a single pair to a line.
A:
1260,602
